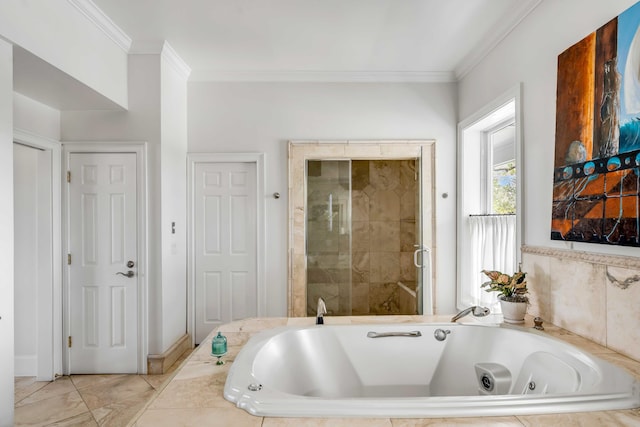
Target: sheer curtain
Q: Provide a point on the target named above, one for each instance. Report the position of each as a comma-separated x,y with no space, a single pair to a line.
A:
492,247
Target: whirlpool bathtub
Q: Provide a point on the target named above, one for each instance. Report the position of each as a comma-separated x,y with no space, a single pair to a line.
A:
421,370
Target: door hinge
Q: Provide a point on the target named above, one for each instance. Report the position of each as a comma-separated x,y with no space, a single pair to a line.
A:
69,341
68,259
68,176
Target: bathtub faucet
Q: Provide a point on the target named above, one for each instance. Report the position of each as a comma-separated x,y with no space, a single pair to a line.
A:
476,310
320,311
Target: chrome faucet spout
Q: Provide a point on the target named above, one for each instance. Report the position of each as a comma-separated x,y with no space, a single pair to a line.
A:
476,310
320,311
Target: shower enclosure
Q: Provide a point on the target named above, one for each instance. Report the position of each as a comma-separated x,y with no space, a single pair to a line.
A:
358,227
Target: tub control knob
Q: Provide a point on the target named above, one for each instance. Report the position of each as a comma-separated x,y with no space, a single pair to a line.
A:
538,324
441,334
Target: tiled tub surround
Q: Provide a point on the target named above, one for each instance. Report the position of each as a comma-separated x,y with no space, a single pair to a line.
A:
593,295
194,397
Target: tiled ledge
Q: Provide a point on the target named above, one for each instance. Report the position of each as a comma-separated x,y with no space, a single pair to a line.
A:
194,397
590,257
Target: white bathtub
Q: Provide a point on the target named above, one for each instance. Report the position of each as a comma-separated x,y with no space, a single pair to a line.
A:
324,371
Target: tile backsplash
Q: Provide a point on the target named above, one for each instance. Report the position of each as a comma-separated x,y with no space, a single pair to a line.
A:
593,295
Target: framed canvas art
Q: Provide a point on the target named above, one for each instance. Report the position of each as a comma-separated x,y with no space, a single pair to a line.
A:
596,184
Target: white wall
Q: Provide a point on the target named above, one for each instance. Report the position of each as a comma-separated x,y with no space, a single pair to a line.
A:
26,259
263,117
6,236
61,35
174,201
35,117
529,55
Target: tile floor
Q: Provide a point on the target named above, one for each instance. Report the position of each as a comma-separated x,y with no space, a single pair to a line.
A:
86,400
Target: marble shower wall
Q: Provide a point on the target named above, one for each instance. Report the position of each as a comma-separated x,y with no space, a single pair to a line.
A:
384,203
593,295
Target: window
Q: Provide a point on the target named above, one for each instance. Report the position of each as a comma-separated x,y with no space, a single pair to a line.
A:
501,162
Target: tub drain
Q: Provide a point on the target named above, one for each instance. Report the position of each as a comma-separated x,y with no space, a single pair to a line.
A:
532,386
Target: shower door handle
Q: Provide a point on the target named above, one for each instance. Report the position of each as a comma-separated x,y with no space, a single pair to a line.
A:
415,255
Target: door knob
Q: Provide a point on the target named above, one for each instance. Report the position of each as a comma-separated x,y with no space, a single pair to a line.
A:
128,274
130,264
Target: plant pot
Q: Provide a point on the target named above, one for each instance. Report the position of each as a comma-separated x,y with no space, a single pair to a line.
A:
513,312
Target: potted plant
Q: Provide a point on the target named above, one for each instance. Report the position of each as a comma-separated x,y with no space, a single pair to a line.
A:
512,293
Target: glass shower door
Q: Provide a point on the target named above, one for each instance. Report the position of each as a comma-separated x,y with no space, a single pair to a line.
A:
328,235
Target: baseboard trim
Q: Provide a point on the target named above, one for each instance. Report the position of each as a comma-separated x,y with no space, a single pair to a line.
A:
158,364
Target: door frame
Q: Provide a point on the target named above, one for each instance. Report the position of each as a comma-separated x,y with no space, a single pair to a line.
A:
50,325
140,149
192,160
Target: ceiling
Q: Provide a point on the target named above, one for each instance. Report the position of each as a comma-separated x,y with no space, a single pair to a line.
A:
292,40
425,40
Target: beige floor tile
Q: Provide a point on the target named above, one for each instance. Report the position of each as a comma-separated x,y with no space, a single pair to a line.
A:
117,389
83,381
157,381
58,387
326,422
630,417
55,408
26,386
121,413
83,420
582,419
455,422
198,417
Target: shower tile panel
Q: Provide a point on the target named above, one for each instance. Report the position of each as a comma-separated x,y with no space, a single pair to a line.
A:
385,267
384,174
384,205
360,239
360,206
385,236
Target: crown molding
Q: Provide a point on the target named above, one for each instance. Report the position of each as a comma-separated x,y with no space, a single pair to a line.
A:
176,61
103,22
324,76
488,43
164,49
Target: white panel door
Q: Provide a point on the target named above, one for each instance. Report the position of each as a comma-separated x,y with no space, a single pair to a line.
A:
102,240
225,244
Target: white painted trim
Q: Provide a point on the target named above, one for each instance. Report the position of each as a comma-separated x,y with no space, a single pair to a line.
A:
259,159
94,14
499,33
164,49
140,149
323,76
176,62
51,355
513,94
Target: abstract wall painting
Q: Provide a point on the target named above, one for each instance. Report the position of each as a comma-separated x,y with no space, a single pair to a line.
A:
596,184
